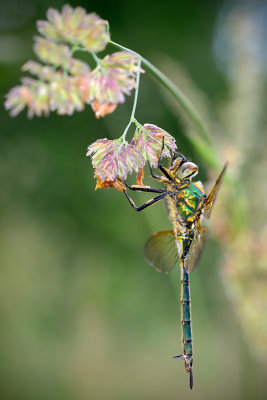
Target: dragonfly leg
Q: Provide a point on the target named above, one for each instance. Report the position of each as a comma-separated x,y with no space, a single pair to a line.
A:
175,155
158,177
148,203
160,167
140,188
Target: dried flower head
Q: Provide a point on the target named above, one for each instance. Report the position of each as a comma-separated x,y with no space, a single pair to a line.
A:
101,110
58,55
64,97
116,183
55,92
103,88
45,73
113,160
74,26
17,99
51,52
31,93
148,140
110,81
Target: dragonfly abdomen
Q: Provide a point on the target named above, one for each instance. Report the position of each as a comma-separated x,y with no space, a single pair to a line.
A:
186,322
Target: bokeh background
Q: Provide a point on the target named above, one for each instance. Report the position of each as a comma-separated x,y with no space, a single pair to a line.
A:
82,314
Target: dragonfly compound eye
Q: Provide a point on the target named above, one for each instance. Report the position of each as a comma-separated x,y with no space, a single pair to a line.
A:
186,170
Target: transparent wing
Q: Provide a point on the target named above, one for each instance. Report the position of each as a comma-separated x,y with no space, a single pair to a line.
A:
195,249
161,251
213,194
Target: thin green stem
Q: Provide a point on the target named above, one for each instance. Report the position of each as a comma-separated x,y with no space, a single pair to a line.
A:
182,99
137,89
108,29
77,47
97,60
119,46
139,126
132,119
74,48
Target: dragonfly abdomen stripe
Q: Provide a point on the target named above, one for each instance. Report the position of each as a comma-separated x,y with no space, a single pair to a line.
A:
186,315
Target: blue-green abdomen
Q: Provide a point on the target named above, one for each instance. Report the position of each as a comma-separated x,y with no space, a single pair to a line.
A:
186,315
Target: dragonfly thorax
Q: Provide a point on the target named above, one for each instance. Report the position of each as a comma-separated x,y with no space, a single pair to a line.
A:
189,200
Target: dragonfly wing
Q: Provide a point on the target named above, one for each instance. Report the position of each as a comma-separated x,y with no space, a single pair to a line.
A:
213,194
161,251
195,249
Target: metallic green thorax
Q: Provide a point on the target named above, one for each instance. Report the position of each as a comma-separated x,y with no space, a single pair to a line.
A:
188,200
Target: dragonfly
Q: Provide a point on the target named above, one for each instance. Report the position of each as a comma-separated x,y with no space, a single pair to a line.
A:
188,206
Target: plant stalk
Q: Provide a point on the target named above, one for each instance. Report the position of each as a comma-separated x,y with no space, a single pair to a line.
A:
181,98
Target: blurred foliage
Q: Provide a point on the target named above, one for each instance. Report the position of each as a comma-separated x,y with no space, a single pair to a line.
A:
82,315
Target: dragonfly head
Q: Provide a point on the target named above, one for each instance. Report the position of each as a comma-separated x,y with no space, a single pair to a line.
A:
186,170
182,168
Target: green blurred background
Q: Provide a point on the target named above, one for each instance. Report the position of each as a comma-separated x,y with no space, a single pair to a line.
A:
82,314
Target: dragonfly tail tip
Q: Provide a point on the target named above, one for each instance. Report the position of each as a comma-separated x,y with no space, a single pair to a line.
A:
191,379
